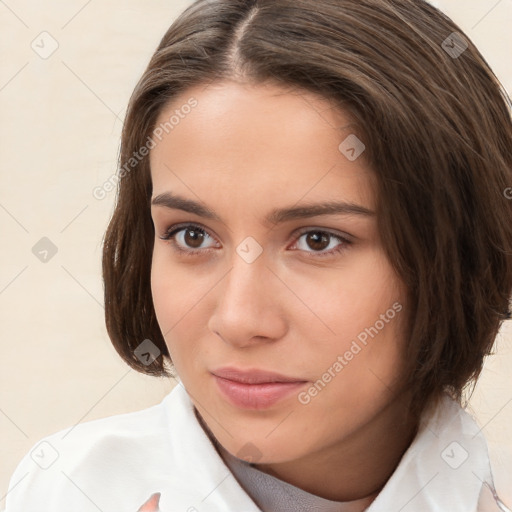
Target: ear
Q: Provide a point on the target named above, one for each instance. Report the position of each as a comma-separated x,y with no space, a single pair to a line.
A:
152,504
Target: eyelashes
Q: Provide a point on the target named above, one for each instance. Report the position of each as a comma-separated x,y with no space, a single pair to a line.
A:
175,237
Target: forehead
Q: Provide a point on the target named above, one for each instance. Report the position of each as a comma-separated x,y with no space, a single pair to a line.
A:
257,141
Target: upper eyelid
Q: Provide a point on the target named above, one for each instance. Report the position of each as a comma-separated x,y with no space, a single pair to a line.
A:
176,228
182,225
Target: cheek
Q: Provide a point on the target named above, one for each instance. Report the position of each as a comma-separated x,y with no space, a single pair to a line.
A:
344,301
163,285
170,297
364,309
174,288
178,296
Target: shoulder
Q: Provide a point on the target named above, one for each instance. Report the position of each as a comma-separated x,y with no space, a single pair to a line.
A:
85,460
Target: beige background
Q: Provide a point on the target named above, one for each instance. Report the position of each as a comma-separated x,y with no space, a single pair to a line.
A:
59,136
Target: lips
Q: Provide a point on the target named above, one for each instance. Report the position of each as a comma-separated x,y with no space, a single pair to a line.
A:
255,389
253,376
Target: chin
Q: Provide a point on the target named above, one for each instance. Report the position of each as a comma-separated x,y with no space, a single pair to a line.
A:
261,450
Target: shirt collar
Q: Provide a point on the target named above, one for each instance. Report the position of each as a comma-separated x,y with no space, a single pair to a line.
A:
445,468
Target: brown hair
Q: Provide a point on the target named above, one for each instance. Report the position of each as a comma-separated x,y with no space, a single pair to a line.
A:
438,133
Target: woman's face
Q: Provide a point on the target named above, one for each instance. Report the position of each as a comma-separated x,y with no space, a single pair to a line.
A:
260,276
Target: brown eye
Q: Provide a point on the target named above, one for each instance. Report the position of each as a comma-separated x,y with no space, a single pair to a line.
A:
314,243
318,240
188,239
193,237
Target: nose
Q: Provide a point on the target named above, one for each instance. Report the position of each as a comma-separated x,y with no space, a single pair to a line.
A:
249,305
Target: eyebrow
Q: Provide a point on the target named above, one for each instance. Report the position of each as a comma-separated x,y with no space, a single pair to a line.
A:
276,216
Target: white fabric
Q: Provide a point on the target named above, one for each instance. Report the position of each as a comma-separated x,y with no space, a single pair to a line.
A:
116,464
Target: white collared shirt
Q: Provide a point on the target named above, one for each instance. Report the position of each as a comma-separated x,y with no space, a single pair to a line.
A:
116,464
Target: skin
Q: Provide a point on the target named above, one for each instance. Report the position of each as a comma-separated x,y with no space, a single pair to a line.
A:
243,151
151,505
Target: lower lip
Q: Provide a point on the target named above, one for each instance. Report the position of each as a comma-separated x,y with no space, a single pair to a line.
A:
256,396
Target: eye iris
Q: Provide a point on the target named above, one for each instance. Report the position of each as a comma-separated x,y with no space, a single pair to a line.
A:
316,238
194,238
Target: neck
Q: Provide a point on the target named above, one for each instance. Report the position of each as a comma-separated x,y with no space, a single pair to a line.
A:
357,467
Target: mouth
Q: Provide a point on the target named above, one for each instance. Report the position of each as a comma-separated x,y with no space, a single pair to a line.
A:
255,389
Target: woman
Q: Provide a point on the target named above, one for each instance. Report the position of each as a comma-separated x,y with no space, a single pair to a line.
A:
312,230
